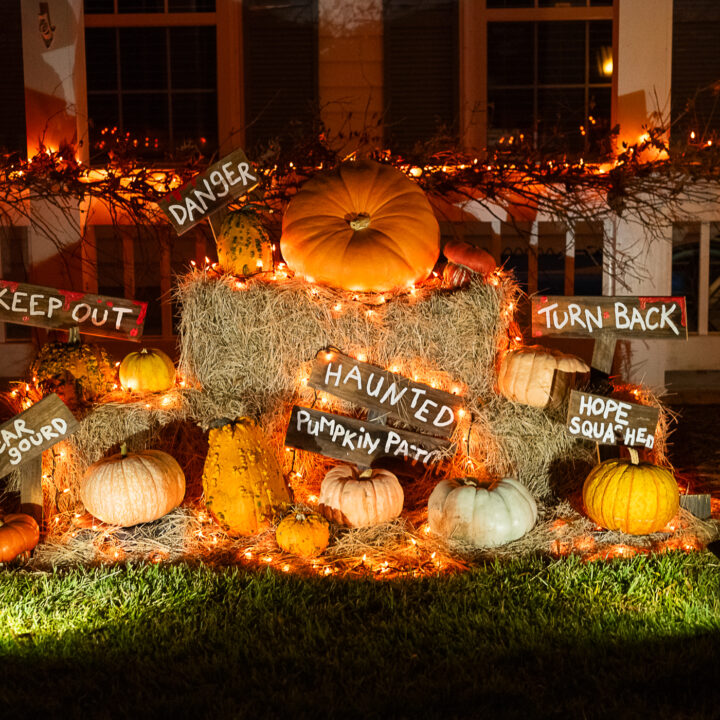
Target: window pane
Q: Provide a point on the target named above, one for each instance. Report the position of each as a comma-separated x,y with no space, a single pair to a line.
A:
143,58
191,5
510,112
103,114
109,249
98,6
145,115
588,261
686,269
193,58
510,53
560,115
14,256
561,53
140,6
101,56
147,248
600,55
195,119
551,262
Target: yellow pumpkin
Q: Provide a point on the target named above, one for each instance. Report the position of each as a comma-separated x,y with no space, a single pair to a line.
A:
303,534
130,488
630,496
147,371
362,227
243,484
537,376
369,498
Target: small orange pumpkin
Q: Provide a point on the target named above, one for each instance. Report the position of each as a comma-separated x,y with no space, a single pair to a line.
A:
464,261
362,227
19,533
303,534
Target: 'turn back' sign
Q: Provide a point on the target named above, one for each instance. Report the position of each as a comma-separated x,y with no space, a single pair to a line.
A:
207,192
48,307
646,317
34,430
609,421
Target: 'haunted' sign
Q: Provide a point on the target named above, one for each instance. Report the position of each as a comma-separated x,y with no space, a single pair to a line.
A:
389,394
38,428
357,441
47,307
207,192
646,317
609,421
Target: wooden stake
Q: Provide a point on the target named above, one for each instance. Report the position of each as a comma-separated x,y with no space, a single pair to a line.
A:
604,353
31,492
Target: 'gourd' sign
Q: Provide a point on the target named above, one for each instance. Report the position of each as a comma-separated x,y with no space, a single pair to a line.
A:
206,193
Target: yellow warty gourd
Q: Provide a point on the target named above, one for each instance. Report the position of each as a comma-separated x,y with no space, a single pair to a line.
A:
243,484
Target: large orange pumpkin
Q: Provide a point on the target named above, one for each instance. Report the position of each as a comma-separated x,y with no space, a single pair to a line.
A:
362,227
630,496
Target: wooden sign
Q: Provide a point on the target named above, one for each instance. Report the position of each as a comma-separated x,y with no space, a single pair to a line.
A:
356,441
698,505
387,393
47,307
609,421
38,428
636,317
209,191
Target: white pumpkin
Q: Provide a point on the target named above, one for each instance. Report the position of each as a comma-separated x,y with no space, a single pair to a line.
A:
484,514
537,376
369,498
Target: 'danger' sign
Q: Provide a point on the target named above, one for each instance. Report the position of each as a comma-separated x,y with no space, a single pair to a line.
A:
393,395
34,430
661,317
207,192
25,304
609,421
356,441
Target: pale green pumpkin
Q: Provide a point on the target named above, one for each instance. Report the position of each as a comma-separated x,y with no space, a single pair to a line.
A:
243,244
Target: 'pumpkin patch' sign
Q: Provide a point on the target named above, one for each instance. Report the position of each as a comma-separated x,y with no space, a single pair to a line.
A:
38,428
24,304
609,421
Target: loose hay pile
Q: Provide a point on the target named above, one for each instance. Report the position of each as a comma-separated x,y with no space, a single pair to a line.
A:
247,348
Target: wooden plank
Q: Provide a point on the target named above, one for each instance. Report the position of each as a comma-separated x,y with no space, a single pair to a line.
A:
357,441
604,352
609,421
391,395
698,505
47,307
625,317
209,191
31,492
34,430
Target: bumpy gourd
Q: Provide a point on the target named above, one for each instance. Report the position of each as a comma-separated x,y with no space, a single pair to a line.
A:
130,488
243,484
147,371
483,514
630,496
362,227
304,533
78,373
243,244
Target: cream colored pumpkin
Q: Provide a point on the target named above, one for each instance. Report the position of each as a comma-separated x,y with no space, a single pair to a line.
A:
131,488
357,500
484,514
537,376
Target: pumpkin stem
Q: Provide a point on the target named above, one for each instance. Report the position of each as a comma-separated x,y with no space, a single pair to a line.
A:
359,222
124,450
366,474
634,457
300,517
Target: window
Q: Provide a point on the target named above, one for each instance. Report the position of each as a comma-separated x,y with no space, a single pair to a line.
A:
14,266
421,71
280,59
12,82
155,84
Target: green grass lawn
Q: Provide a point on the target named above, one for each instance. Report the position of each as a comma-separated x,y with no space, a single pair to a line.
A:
637,638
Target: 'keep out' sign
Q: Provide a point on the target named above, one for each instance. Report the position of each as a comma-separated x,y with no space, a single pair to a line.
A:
207,192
